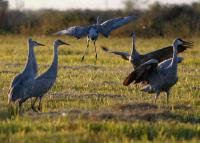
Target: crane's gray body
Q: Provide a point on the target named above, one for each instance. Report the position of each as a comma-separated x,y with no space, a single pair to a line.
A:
41,84
162,79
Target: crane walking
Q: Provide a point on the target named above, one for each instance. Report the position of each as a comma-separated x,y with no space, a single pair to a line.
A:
30,70
160,77
92,31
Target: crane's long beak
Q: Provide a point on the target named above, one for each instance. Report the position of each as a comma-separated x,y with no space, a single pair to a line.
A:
64,43
132,33
188,43
39,44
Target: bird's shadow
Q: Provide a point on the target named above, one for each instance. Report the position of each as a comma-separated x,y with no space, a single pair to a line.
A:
149,112
130,112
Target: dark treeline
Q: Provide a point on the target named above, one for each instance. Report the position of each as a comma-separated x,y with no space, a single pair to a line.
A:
158,20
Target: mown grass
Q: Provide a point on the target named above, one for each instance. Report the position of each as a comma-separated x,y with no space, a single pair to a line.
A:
88,103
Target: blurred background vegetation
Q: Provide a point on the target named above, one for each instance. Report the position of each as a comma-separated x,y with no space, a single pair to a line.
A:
156,21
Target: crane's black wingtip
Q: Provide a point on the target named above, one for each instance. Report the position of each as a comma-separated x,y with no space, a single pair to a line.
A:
104,48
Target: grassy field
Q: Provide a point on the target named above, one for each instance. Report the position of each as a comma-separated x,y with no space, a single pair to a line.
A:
88,102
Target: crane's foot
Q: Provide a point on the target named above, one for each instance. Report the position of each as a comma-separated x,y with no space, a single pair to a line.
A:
96,56
33,108
20,107
20,110
40,108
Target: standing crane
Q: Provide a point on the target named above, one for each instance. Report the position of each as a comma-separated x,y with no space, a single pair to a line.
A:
30,70
40,85
159,77
92,31
137,59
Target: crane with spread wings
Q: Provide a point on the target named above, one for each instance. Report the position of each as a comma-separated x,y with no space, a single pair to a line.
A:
92,31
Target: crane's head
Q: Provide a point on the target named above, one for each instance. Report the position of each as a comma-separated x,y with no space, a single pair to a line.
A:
34,43
181,42
133,35
99,20
59,43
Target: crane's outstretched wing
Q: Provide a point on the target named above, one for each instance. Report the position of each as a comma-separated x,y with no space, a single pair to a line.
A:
76,31
124,55
112,24
141,73
165,53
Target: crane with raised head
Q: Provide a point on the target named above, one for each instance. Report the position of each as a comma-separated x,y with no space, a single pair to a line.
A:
159,77
40,85
30,70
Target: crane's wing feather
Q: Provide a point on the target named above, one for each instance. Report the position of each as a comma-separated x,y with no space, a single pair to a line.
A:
36,87
167,62
18,90
141,73
124,55
164,53
112,24
76,31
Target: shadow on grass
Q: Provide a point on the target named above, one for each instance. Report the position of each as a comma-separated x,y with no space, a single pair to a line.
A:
139,111
8,112
123,112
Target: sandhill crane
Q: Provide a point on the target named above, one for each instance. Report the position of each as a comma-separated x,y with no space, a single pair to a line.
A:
137,59
30,70
38,86
92,31
159,77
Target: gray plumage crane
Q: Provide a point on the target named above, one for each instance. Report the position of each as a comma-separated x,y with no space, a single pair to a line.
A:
38,86
159,77
136,59
92,31
30,70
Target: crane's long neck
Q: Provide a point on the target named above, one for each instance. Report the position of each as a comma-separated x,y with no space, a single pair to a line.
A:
54,66
134,52
174,63
29,62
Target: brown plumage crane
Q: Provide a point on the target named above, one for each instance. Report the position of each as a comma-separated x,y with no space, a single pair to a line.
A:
137,59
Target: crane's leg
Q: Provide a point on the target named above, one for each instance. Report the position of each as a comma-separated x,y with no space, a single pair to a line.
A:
156,96
88,42
20,104
95,49
33,104
167,93
40,104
